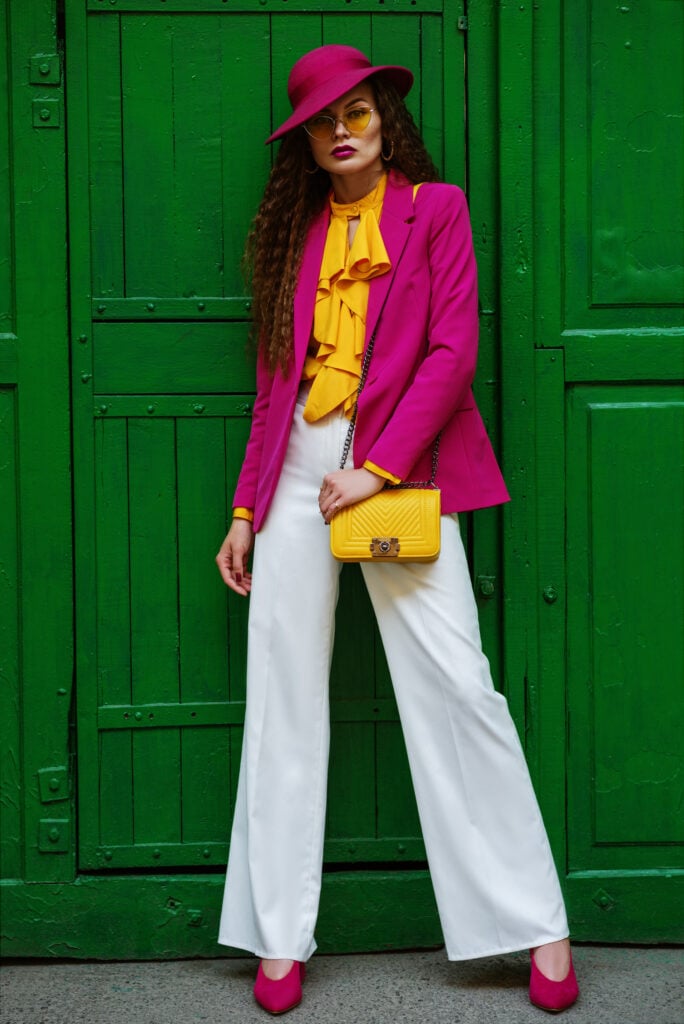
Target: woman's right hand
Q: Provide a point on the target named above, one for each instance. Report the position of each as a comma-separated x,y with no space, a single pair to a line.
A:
233,555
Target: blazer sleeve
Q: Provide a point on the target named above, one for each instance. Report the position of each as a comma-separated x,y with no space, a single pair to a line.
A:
441,385
246,490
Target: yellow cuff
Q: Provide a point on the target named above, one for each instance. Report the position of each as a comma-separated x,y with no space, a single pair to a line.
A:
381,472
243,513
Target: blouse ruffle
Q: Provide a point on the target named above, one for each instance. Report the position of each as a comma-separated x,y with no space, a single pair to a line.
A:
339,328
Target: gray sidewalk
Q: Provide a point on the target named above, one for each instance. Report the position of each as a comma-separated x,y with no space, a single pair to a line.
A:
620,985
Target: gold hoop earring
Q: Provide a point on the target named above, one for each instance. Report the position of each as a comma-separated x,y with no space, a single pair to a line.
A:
314,171
388,156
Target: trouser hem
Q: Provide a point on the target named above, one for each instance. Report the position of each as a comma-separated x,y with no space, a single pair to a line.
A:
500,950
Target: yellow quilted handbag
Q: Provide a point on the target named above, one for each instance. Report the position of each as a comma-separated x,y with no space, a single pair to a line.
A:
398,524
401,523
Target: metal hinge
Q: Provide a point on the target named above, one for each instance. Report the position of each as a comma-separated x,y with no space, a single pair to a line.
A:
462,23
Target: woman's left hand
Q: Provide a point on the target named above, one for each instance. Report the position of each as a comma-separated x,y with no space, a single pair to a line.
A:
346,487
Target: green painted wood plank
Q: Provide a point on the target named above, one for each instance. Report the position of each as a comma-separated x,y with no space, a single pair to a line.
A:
150,917
432,100
153,557
351,676
205,783
112,570
397,814
104,143
515,92
267,6
245,115
484,528
351,789
350,28
151,240
156,715
237,409
195,206
551,164
7,311
166,856
157,794
546,694
152,308
171,358
115,812
88,790
454,94
646,354
355,905
396,40
154,624
43,429
201,596
10,702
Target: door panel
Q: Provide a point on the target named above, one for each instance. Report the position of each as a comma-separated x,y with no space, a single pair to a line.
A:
605,316
625,610
168,168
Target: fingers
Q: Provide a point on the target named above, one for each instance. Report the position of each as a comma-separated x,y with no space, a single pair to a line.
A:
331,511
232,558
329,499
233,573
345,487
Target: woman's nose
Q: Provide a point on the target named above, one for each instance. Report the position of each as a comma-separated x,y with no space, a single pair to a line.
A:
340,127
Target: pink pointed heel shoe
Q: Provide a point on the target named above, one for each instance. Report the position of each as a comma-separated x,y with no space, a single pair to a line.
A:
553,996
281,995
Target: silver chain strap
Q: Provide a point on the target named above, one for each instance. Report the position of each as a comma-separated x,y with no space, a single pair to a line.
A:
352,423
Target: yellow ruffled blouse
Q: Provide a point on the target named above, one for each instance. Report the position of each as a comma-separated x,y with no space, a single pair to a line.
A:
338,337
339,327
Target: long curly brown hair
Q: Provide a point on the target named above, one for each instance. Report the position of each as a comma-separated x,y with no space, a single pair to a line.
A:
292,199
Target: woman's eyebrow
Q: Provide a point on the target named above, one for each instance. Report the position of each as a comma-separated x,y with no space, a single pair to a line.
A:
349,103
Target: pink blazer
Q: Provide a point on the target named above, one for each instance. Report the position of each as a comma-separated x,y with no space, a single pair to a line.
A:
423,362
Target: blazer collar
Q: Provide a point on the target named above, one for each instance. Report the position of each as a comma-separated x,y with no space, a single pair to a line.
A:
395,227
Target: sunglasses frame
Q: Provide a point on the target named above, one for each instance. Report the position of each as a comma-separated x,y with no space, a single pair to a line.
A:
343,119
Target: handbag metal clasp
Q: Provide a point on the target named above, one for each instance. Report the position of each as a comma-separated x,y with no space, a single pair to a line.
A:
385,547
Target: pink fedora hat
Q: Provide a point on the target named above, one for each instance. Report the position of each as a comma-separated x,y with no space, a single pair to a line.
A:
322,75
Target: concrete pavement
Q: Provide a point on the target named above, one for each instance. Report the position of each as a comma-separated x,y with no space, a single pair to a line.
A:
620,985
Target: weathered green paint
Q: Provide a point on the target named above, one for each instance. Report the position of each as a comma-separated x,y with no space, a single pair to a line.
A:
593,361
172,916
580,289
166,917
36,591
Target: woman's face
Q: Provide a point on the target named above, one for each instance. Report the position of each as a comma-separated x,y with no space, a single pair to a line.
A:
344,152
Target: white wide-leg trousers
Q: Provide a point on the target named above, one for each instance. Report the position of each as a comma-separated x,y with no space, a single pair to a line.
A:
490,862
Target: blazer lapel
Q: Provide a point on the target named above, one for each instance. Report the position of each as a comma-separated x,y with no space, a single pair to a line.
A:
395,228
307,283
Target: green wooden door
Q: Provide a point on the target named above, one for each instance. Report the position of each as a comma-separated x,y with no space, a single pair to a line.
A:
167,116
36,665
593,347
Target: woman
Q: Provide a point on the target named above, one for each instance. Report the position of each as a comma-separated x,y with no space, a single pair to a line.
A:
354,236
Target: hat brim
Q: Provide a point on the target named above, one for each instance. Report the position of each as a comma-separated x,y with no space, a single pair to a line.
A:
401,78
